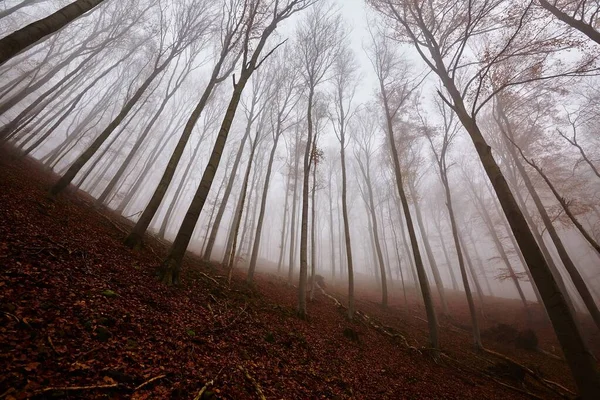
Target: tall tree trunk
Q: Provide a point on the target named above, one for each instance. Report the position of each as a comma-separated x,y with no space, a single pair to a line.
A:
230,251
373,218
432,263
305,200
29,35
461,262
313,225
447,258
263,206
480,266
66,179
172,265
223,205
134,239
178,192
574,273
424,284
474,278
331,232
293,227
283,228
347,231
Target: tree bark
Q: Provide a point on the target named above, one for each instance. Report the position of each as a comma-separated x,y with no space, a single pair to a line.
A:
29,35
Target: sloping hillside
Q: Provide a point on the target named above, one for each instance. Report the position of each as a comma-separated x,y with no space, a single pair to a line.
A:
84,317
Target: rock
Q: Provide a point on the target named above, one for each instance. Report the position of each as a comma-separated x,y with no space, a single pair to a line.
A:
527,340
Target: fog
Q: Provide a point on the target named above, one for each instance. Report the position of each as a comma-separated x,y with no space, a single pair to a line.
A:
135,103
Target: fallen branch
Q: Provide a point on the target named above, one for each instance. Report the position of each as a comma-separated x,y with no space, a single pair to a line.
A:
78,388
149,381
547,383
209,277
468,368
256,384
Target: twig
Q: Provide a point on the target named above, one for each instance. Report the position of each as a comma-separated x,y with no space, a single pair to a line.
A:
254,382
11,315
77,388
52,345
209,277
149,381
209,383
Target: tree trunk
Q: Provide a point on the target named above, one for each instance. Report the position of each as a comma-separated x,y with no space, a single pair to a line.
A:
432,263
424,284
230,251
305,199
263,206
293,219
581,362
29,35
66,179
347,231
172,265
371,209
283,228
134,239
574,273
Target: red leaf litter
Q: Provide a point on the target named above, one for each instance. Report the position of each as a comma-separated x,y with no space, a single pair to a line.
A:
82,316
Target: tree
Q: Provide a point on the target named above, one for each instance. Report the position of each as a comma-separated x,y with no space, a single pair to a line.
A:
31,34
364,138
231,33
440,143
317,42
395,88
284,84
190,27
578,14
263,17
345,81
432,28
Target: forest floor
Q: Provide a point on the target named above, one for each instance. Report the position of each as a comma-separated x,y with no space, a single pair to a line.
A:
82,316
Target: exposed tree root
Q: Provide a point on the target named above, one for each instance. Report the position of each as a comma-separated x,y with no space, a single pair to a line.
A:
254,382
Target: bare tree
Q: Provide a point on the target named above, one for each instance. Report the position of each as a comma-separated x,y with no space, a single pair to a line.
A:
284,84
432,28
317,42
364,138
395,88
345,82
31,34
261,20
191,25
440,146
